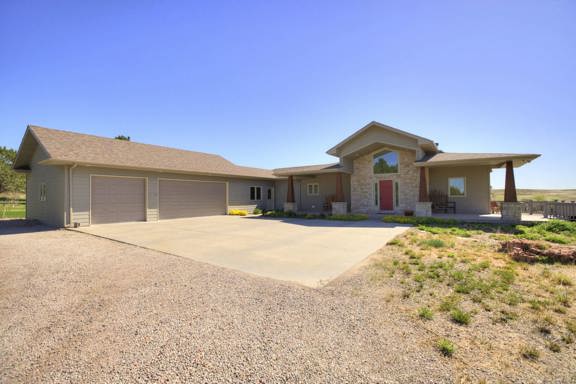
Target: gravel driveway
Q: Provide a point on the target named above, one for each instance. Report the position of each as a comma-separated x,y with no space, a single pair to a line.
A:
75,308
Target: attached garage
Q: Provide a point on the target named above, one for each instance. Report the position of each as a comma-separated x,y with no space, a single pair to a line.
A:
117,199
191,198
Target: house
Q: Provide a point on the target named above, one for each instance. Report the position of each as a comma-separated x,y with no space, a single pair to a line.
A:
75,179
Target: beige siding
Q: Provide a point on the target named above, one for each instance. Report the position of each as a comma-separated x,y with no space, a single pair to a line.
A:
239,192
53,210
377,135
312,203
477,199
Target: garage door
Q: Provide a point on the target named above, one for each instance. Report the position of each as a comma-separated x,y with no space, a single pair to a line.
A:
179,198
117,199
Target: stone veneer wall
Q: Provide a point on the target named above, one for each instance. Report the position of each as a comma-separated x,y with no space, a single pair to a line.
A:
362,183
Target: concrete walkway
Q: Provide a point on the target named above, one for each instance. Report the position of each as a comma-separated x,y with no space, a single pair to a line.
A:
310,252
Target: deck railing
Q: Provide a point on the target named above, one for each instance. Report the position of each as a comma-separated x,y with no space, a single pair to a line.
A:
551,209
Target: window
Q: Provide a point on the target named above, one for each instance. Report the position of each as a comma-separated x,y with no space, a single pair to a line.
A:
457,186
43,192
385,162
255,193
269,193
313,189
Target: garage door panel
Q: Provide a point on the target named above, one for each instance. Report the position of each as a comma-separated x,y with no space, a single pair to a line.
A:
117,199
179,199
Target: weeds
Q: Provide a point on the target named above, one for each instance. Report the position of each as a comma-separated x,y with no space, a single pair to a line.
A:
446,347
460,317
425,313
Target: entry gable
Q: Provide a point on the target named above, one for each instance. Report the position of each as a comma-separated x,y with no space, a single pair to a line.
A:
376,135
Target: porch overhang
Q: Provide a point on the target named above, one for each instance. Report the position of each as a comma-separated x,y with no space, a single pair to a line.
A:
492,160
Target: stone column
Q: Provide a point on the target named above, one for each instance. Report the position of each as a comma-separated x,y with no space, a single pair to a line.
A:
290,204
423,206
511,208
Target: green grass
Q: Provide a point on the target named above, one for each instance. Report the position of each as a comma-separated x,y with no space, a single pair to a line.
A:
460,317
433,243
425,313
446,347
12,211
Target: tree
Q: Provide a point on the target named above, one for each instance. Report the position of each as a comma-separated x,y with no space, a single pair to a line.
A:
122,137
10,181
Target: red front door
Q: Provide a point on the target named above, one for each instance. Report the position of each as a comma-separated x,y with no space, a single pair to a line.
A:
386,195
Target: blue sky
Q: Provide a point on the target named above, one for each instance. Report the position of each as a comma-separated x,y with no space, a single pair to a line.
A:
272,84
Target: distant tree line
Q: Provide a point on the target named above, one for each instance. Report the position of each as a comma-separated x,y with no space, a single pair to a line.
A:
10,181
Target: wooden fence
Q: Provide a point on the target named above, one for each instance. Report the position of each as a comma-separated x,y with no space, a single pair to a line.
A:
551,209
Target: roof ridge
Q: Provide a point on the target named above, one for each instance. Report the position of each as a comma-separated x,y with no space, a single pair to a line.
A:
130,142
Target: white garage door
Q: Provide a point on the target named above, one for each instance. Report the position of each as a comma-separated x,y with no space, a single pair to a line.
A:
185,198
117,199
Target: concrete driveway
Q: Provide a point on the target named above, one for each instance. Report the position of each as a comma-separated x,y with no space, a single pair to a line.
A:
310,252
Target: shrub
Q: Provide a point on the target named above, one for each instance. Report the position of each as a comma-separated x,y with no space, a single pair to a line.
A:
446,347
396,242
418,220
554,347
529,352
449,303
571,326
425,313
460,317
257,211
434,243
561,279
237,212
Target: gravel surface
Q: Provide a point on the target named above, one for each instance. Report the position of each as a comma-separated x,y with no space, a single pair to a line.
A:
76,308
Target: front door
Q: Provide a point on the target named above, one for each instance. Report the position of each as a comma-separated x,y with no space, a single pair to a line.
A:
386,195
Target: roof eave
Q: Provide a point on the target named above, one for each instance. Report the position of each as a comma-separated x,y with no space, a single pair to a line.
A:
158,170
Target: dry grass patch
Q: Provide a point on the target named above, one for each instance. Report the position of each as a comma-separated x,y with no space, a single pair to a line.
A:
469,291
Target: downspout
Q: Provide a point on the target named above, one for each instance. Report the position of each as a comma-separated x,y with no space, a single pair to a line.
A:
70,210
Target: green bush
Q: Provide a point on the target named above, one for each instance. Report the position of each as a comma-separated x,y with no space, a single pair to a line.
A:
460,317
414,220
348,217
237,212
257,211
446,347
425,313
434,243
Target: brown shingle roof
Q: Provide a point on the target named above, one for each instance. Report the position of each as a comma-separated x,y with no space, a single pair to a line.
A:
309,169
71,147
476,158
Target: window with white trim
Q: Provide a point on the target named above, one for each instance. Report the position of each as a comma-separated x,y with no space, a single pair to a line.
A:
43,192
255,193
313,189
457,187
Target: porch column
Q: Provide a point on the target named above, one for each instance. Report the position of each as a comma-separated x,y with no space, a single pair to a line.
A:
339,206
423,190
290,204
339,190
510,185
511,209
423,206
